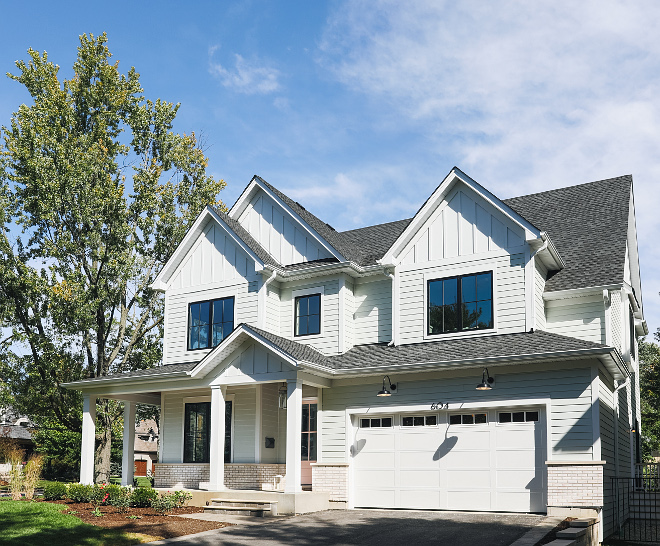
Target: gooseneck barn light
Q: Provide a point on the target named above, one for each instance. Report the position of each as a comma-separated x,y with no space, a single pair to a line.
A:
384,391
486,381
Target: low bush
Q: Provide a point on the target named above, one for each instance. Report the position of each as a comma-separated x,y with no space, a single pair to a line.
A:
142,497
181,498
164,503
77,492
118,496
54,491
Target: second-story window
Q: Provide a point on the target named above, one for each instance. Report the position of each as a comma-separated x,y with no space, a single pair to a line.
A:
209,322
307,320
464,302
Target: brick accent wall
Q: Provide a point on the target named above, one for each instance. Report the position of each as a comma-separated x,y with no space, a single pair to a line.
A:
251,475
331,478
572,484
186,475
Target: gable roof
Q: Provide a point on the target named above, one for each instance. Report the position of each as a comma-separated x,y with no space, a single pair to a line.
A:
588,224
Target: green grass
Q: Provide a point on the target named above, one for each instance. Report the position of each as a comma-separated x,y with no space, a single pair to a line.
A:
37,523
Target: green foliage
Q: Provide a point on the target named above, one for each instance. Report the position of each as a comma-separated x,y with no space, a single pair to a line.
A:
649,379
77,492
61,447
164,503
54,491
103,190
182,498
142,497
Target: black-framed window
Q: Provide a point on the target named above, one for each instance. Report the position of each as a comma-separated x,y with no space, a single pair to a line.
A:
197,433
460,303
468,419
307,320
209,322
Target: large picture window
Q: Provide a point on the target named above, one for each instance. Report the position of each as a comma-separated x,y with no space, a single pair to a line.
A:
464,302
308,315
209,322
196,433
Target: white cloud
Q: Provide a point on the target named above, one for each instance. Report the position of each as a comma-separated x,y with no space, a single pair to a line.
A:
250,77
524,96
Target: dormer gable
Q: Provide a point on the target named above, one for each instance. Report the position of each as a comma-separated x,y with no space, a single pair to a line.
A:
283,227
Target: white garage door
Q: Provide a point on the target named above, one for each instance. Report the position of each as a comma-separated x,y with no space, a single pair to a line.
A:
466,460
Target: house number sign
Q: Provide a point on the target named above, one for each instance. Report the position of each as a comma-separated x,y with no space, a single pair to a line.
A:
440,405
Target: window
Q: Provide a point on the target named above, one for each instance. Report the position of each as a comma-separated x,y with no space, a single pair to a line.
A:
308,315
468,419
518,417
209,322
308,443
196,433
419,420
460,303
375,422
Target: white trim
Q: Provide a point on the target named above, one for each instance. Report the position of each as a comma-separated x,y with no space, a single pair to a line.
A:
469,269
196,399
595,413
607,302
530,272
580,292
341,304
319,425
257,423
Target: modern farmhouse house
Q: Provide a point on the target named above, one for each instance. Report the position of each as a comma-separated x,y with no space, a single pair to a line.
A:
478,356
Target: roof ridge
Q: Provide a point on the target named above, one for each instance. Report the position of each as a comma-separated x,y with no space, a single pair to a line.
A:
626,177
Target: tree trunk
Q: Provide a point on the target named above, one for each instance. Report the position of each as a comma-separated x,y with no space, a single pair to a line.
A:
103,443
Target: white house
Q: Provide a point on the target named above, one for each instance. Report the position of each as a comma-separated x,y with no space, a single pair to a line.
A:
281,335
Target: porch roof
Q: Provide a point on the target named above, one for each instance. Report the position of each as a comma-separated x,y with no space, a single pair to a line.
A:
470,352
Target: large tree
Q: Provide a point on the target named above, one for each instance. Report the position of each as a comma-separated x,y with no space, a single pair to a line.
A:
96,191
649,379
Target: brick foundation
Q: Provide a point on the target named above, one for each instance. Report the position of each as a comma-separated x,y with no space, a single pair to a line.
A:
237,475
331,478
575,484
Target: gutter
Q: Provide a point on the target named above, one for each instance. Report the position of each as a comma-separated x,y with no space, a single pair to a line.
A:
348,267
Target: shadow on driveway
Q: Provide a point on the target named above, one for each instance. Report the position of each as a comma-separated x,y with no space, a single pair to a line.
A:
373,528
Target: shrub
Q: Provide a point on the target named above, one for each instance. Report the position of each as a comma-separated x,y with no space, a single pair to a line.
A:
15,456
77,492
98,494
32,474
118,496
55,491
164,503
142,497
182,498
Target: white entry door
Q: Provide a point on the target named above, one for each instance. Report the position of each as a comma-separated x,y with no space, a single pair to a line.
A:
467,460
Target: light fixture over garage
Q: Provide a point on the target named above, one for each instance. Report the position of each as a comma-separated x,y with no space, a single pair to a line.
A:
486,381
384,391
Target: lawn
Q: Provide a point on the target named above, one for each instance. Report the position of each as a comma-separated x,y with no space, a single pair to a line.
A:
25,523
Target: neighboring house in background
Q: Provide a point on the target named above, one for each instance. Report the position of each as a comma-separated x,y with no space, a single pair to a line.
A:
17,427
354,363
146,447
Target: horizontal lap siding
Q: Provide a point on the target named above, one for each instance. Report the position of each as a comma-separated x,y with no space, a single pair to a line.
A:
244,418
328,342
372,313
540,274
245,310
172,413
271,418
583,318
273,310
509,290
570,419
607,417
349,310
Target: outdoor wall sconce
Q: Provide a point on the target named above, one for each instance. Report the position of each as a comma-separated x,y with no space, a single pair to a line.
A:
281,397
384,391
486,381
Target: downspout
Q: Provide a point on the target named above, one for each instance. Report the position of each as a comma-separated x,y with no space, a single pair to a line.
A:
616,426
392,343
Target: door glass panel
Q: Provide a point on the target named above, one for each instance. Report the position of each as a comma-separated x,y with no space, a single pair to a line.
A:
386,422
305,418
304,448
312,446
480,419
228,407
519,417
312,417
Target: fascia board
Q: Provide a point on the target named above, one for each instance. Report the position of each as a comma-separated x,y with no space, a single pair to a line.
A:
319,270
236,238
92,384
579,292
244,199
454,176
325,244
161,281
206,364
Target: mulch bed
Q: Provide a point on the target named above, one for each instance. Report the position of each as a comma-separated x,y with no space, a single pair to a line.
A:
149,522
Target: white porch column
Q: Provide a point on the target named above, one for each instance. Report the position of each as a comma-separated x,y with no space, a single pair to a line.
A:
293,438
88,440
217,444
127,456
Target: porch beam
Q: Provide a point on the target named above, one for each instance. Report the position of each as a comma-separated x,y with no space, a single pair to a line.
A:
293,436
88,440
151,399
217,441
128,450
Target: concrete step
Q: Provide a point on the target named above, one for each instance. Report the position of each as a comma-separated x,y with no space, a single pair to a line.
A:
253,507
583,522
572,533
238,510
561,542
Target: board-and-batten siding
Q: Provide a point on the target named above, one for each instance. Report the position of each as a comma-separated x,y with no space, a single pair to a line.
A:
583,318
328,341
372,312
273,424
273,308
176,335
540,275
461,225
616,316
570,419
508,287
284,238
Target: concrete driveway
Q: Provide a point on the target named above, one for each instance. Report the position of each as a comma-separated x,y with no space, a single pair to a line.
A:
372,528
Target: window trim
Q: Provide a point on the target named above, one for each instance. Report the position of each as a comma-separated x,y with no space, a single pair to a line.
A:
210,302
295,313
429,278
381,417
317,289
473,413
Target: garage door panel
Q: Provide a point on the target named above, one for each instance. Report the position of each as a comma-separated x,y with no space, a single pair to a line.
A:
376,460
516,459
515,501
374,479
419,478
416,459
377,441
473,439
414,441
468,500
467,459
469,479
376,498
518,479
419,498
509,436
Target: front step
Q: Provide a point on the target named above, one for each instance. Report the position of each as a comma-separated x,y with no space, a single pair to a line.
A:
256,508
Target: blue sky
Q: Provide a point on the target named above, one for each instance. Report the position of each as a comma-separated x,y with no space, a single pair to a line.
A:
359,109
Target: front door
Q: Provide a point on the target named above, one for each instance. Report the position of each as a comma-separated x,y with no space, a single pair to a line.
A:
308,441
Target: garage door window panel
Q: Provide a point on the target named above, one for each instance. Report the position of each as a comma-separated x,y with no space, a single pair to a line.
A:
468,419
506,417
376,422
419,421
